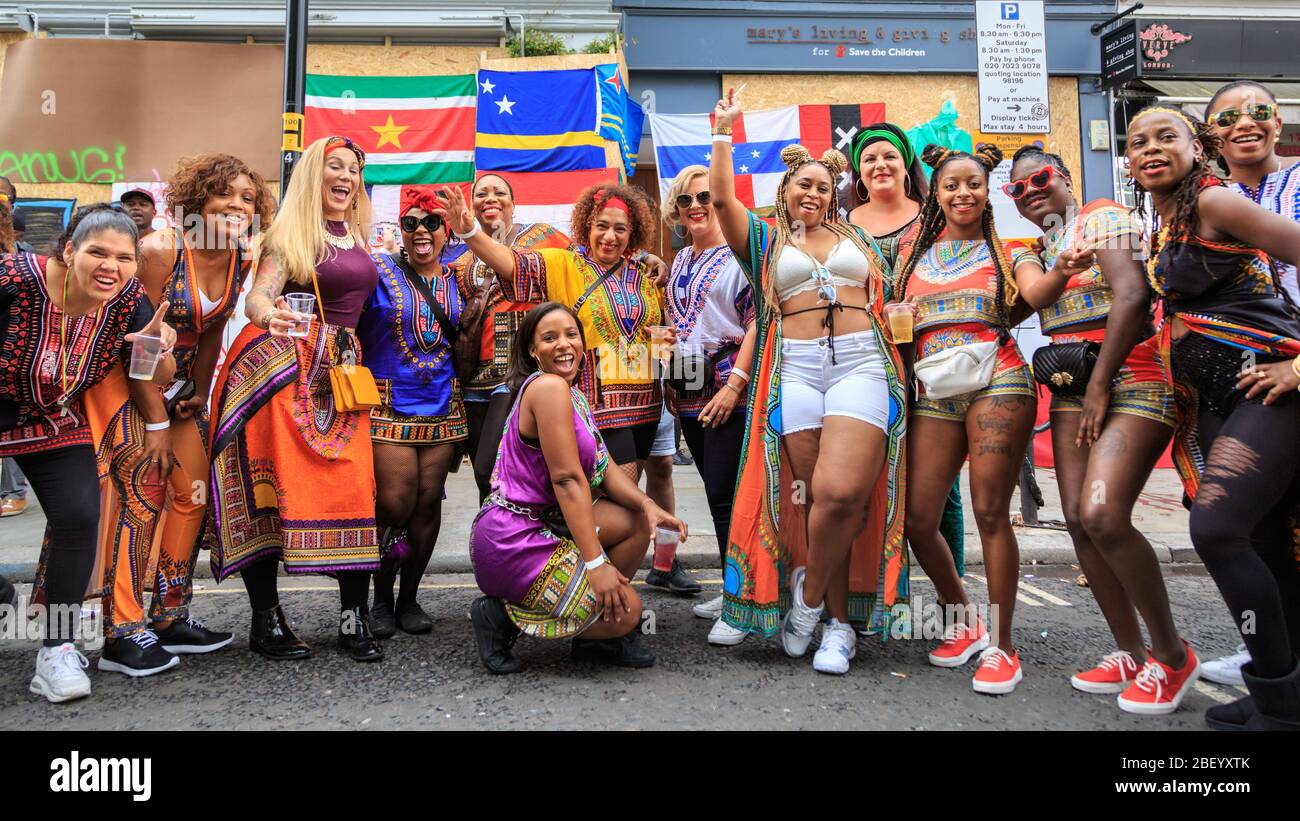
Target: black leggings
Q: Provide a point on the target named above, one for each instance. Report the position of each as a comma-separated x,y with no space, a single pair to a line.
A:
260,582
67,483
716,452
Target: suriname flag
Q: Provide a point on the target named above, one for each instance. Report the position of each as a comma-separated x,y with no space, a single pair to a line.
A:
414,130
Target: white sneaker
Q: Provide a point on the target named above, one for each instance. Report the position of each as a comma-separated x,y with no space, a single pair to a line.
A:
839,645
724,635
1226,669
799,623
711,609
59,675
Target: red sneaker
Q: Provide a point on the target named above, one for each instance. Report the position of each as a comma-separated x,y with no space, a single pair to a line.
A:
960,642
1159,688
1115,673
998,674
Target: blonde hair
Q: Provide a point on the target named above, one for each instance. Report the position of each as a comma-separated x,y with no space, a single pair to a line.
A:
683,180
297,237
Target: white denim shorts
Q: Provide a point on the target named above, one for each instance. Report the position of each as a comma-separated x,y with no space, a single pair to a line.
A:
813,388
665,435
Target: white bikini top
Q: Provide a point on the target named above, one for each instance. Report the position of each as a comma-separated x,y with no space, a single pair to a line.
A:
207,307
794,269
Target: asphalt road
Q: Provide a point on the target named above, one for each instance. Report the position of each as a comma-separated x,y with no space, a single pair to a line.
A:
436,681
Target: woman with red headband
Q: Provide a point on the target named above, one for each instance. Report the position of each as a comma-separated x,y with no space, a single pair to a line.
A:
609,283
409,330
293,474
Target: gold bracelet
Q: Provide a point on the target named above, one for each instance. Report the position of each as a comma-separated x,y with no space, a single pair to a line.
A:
734,390
722,132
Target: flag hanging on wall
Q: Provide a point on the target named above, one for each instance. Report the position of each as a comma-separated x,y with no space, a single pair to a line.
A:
621,117
538,121
413,129
757,139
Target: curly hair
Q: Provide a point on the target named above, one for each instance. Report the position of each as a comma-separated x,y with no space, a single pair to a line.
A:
6,227
197,179
933,222
1186,218
641,215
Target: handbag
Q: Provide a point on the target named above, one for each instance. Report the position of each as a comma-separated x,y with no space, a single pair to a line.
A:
1066,368
958,370
353,385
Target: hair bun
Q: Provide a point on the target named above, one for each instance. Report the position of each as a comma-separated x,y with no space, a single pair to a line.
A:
934,155
834,161
989,155
796,155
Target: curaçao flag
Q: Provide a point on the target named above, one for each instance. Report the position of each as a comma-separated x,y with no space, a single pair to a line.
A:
621,117
538,121
413,129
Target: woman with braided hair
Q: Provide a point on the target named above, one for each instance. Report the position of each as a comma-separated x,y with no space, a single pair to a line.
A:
981,404
818,503
1225,313
1108,427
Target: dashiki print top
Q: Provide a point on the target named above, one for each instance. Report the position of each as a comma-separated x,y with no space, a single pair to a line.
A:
186,312
35,365
1279,192
403,342
617,377
710,303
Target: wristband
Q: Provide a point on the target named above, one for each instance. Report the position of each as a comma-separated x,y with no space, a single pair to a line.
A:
742,374
154,427
467,234
722,138
596,562
722,129
266,320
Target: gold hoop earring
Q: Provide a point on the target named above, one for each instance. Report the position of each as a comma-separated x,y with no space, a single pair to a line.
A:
862,191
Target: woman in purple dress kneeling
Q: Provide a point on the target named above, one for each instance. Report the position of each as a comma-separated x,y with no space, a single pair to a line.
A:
551,563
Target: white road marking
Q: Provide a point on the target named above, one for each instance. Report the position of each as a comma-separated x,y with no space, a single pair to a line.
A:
1213,692
1021,597
1043,594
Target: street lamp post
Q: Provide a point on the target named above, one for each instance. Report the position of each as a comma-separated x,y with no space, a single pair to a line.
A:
295,78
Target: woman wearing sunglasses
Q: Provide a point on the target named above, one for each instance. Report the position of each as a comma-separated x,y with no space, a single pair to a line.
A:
711,305
293,475
408,331
1112,416
199,270
489,321
968,296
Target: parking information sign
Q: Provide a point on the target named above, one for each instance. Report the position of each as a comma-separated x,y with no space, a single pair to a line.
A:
1012,67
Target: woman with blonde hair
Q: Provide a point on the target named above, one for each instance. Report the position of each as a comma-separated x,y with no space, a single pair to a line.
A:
292,474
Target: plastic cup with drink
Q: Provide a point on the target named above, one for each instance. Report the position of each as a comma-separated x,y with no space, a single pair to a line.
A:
666,541
302,304
900,321
146,351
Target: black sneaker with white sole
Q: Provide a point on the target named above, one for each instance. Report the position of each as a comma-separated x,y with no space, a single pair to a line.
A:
190,637
136,655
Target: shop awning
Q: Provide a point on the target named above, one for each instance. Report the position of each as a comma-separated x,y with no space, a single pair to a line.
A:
1192,95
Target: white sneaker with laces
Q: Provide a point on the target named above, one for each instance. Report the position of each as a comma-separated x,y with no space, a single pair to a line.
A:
724,635
711,609
799,623
1227,669
839,645
59,673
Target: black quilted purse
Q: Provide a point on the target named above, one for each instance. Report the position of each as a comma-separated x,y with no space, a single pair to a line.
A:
1066,368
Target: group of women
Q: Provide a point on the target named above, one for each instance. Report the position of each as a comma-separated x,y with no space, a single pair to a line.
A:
535,353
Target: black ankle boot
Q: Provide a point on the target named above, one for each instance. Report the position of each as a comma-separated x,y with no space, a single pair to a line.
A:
270,635
356,637
1232,716
625,651
383,622
1277,700
495,635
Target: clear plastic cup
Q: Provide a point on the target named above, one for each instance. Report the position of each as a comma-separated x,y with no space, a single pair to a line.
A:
302,304
145,353
666,541
900,321
661,346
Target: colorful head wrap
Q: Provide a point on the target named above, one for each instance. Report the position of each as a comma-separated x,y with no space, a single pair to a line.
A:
1161,109
345,142
887,132
424,197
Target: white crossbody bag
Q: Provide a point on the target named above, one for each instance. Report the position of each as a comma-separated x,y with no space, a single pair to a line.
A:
958,370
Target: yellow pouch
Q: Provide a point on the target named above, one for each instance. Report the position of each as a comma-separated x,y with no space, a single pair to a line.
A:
353,385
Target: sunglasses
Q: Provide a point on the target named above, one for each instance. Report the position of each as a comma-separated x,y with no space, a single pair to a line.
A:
431,221
1260,112
703,198
825,285
1036,181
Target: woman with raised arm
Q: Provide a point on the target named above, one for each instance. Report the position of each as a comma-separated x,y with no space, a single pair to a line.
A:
975,398
819,500
293,475
1111,420
1225,311
67,323
199,269
551,563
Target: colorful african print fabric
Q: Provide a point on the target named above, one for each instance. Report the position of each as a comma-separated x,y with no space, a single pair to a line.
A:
1279,192
185,312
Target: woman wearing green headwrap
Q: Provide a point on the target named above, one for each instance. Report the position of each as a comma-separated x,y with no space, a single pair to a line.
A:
890,183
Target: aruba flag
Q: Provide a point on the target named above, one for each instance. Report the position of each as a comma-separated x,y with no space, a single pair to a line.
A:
538,121
621,117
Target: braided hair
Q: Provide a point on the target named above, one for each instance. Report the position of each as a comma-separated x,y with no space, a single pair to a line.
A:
1186,219
1034,152
933,222
796,157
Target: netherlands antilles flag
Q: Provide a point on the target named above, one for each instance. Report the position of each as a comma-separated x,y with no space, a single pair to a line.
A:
538,121
413,129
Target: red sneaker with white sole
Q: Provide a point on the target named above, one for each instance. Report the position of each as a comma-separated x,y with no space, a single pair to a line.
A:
1114,675
960,642
998,674
1159,688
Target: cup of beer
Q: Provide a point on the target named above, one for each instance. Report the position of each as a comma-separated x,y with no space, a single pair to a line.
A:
900,321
